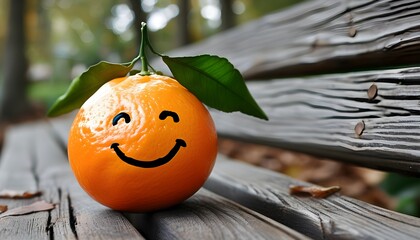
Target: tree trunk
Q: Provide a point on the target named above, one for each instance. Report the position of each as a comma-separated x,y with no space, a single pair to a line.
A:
184,34
139,16
14,103
228,17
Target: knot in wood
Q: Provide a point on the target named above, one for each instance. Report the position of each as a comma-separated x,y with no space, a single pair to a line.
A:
359,128
352,31
372,92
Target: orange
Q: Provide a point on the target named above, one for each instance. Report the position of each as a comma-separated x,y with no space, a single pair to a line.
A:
142,143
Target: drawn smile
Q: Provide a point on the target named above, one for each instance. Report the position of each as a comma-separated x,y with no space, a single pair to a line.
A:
149,164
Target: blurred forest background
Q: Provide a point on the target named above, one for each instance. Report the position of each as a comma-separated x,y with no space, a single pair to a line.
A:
44,44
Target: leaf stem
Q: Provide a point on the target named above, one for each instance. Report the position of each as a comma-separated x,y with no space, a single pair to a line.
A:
144,42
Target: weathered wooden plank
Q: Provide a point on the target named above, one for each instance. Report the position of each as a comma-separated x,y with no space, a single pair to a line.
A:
17,172
77,213
15,164
209,216
32,159
318,115
336,217
320,36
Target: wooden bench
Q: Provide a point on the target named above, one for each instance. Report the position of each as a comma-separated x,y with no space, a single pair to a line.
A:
316,115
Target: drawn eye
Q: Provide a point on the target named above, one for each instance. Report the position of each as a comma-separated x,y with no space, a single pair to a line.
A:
164,114
120,115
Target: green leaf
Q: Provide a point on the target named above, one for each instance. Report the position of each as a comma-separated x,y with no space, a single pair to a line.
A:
406,190
216,82
395,183
409,201
82,87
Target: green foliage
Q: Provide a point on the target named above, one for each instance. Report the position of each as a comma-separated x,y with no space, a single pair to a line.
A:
406,189
215,82
258,8
409,201
46,92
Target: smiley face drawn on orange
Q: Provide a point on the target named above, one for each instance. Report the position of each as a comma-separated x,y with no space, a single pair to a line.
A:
154,163
136,137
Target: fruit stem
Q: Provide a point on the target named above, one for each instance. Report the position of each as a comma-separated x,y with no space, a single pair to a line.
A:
144,42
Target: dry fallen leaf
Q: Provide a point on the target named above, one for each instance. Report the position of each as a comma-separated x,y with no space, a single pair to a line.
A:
314,191
14,194
34,207
3,208
355,182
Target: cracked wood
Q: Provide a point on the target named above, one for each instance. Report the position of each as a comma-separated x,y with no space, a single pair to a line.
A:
332,116
209,216
336,217
32,159
17,171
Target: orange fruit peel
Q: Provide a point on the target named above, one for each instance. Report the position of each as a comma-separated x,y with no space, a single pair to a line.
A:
142,143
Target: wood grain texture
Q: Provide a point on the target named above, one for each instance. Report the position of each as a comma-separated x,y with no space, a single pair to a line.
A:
33,160
88,219
319,36
209,216
336,217
17,172
318,115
